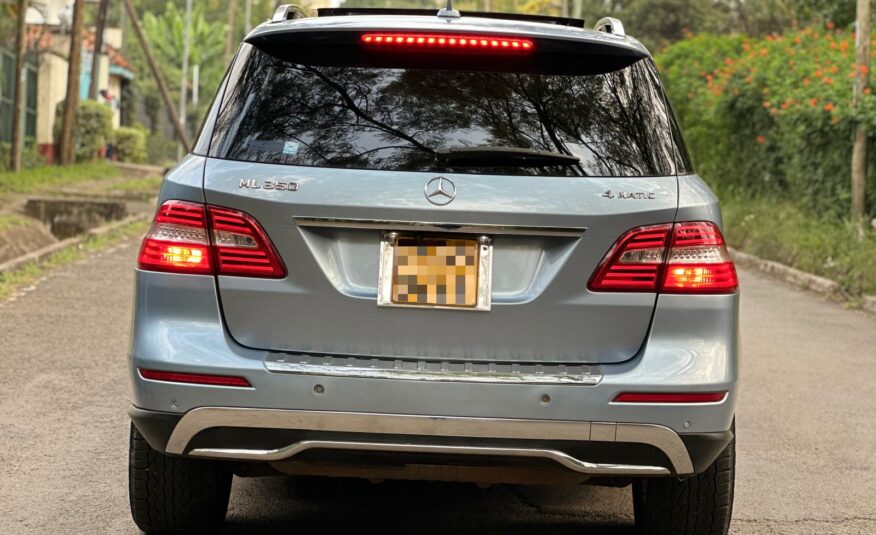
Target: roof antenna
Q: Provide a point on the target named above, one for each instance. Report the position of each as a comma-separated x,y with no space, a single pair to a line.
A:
448,12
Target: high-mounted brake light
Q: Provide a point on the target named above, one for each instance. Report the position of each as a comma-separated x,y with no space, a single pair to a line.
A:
438,41
689,257
189,237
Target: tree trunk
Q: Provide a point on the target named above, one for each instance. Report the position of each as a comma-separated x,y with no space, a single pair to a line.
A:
67,147
229,37
159,79
18,104
98,49
862,80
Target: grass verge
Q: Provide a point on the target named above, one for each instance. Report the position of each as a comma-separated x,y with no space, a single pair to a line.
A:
146,186
783,232
11,221
45,178
30,273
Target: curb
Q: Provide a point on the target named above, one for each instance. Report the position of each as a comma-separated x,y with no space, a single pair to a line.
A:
801,279
41,254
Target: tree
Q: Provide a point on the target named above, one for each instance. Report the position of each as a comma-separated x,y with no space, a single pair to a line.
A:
71,102
18,105
165,35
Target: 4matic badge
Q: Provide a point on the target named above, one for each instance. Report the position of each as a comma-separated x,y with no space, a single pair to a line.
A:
629,194
251,183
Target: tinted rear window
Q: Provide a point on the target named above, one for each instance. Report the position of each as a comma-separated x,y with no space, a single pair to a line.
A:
395,119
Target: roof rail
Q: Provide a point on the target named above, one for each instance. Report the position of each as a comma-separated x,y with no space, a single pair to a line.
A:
612,26
289,12
352,11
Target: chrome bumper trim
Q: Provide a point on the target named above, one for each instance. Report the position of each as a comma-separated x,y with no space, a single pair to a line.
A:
410,370
415,226
197,420
559,457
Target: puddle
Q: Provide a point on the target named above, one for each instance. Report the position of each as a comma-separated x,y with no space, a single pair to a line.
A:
70,217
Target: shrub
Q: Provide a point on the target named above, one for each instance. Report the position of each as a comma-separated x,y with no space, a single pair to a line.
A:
772,115
30,157
93,130
130,144
160,149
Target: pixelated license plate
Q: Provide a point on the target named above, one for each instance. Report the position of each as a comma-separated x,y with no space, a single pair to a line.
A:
437,272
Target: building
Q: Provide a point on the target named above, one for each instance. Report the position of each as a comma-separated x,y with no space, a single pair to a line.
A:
48,46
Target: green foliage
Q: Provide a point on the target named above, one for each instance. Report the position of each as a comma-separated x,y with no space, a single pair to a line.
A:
30,158
778,230
130,144
93,129
160,149
52,176
771,116
164,32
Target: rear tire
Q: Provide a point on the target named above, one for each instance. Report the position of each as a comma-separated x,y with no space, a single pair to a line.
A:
175,494
697,505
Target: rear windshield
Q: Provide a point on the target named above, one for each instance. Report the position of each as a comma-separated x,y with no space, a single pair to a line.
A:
404,119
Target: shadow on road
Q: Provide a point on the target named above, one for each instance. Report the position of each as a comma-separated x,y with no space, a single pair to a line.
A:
280,505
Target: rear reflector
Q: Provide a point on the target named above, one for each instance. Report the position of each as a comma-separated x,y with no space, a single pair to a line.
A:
688,257
667,397
188,237
193,378
428,41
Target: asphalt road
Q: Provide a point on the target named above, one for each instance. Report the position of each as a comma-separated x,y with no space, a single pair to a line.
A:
807,445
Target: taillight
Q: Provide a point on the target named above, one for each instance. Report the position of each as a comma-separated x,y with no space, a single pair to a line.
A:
188,237
634,263
177,241
698,261
241,246
438,41
689,257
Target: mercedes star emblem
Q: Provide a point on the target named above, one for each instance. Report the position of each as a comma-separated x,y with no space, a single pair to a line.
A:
440,191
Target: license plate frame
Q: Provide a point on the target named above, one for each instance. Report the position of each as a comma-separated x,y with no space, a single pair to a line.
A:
389,244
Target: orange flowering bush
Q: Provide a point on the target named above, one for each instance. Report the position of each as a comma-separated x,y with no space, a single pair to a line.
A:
771,114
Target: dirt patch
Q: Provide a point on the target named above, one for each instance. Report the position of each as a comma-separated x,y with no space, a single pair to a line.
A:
26,236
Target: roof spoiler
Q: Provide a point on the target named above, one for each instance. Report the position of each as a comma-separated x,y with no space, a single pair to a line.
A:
352,11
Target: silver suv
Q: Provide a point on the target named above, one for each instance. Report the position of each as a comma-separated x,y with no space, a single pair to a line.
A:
455,247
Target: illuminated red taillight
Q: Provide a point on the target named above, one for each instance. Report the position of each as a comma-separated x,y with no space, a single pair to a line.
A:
193,378
188,237
689,257
670,397
438,41
698,261
177,241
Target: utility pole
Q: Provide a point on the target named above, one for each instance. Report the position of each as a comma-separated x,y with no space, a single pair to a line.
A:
18,103
862,80
71,102
578,9
247,15
159,80
229,37
98,49
184,77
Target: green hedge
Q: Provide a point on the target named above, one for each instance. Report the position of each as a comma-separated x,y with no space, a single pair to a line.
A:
772,116
93,130
130,144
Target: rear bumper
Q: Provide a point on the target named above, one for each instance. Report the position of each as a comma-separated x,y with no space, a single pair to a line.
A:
270,435
178,327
